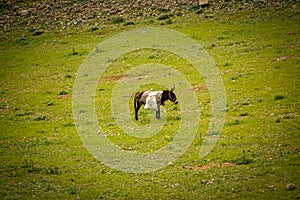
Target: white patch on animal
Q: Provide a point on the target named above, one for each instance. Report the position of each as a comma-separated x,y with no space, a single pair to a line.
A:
153,100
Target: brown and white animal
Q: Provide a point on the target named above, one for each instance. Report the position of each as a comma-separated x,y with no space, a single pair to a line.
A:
140,99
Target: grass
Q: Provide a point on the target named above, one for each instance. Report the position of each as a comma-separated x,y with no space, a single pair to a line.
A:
258,57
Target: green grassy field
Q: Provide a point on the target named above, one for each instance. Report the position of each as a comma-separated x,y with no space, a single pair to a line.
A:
256,157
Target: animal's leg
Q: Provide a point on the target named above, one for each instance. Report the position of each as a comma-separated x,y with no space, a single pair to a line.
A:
138,105
158,112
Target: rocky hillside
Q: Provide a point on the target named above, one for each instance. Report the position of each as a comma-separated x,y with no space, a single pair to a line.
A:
60,14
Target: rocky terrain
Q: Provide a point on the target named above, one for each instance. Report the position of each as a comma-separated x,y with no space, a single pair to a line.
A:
58,14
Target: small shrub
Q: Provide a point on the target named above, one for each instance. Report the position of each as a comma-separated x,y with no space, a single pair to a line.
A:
246,102
278,97
243,160
82,111
110,124
244,113
73,190
290,186
221,38
287,116
27,112
52,170
238,74
209,16
128,23
199,11
70,124
74,52
151,57
233,78
36,33
30,168
227,64
163,17
63,92
20,114
277,67
169,21
40,131
27,163
44,142
40,118
234,122
178,117
94,15
163,10
260,100
92,29
23,40
193,7
49,103
117,20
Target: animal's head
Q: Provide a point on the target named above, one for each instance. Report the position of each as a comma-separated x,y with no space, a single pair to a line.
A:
172,96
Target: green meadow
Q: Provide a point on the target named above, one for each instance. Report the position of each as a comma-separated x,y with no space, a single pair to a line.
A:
256,157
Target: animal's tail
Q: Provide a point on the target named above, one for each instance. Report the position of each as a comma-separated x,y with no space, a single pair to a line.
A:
135,100
137,96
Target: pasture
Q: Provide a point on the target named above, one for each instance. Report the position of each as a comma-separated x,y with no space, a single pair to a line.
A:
256,156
